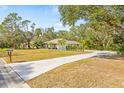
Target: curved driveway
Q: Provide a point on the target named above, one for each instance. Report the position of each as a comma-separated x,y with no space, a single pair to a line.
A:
29,70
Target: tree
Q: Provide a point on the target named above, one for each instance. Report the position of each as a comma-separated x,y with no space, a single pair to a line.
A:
110,15
28,34
33,27
38,43
10,28
1,29
12,22
16,32
18,38
62,34
25,25
105,23
38,32
49,33
38,38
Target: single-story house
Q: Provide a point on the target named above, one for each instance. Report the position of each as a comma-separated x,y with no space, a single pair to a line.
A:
60,44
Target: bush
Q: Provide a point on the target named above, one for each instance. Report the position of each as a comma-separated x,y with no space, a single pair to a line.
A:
38,44
74,47
120,49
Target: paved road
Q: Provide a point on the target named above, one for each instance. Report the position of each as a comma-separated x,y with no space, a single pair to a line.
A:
29,70
9,78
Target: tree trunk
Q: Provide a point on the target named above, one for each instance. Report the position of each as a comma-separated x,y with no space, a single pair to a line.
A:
29,45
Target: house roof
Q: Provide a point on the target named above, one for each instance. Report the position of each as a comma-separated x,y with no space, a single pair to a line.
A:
55,41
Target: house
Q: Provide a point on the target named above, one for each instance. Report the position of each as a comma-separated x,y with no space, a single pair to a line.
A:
60,44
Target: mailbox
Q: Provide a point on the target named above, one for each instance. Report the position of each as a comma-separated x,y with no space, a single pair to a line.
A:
9,51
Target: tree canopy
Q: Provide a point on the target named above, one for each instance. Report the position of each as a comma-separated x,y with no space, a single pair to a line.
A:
110,15
104,25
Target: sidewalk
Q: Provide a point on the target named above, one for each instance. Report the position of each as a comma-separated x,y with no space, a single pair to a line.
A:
9,78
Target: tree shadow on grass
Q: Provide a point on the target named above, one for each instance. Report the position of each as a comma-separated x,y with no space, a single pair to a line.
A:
14,74
112,56
23,70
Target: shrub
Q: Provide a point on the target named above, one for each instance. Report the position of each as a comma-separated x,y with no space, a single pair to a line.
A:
38,44
120,49
74,47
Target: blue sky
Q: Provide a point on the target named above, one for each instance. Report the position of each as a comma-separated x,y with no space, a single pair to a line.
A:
42,15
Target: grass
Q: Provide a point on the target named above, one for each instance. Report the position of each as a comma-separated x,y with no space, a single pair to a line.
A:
37,54
3,52
93,72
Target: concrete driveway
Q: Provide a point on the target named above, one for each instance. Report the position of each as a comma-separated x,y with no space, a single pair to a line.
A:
29,70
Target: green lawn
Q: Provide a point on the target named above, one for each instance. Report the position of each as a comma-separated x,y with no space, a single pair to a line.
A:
37,54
